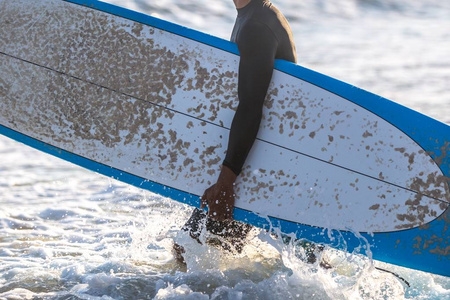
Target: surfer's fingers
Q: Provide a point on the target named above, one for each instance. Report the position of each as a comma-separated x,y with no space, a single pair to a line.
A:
204,198
228,215
229,211
203,201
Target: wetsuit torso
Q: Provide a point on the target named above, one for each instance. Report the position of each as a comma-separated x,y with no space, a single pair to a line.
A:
262,34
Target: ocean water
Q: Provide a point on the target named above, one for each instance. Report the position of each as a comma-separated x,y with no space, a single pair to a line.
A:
67,233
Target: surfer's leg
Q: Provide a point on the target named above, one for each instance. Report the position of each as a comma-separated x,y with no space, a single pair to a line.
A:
313,251
228,229
194,226
230,234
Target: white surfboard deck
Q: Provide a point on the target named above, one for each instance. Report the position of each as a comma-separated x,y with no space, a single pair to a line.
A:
150,103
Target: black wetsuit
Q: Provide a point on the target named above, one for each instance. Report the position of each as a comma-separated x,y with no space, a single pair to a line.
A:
262,34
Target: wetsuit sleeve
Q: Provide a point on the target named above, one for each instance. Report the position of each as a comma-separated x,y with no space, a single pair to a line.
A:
257,48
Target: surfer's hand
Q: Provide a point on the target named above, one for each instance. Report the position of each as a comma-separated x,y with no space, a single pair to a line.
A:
220,201
220,197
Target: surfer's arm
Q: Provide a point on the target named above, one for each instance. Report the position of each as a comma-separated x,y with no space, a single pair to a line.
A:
257,47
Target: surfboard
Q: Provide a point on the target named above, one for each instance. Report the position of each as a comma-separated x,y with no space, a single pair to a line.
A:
150,103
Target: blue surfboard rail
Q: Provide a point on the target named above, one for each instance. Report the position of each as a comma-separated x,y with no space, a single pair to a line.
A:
432,135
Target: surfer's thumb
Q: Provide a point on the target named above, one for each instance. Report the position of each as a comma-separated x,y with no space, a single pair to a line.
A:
202,202
204,198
